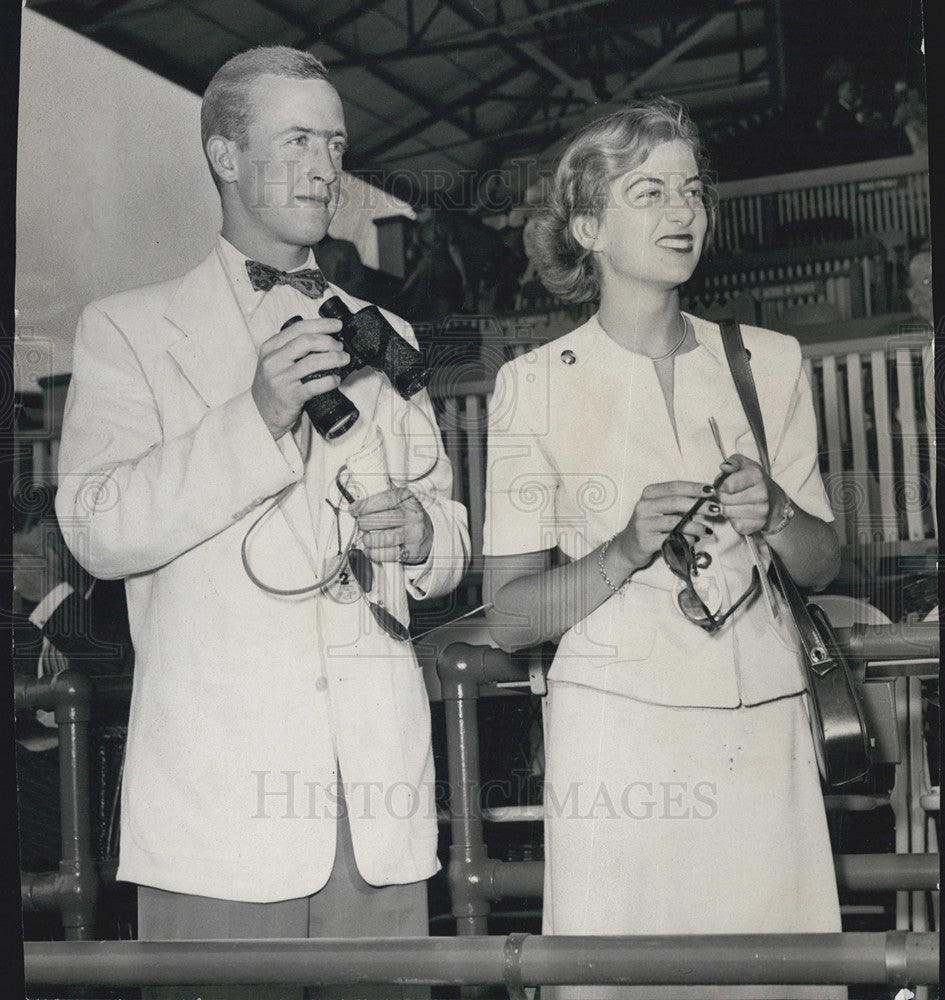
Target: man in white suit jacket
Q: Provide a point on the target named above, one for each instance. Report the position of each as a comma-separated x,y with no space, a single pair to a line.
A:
253,695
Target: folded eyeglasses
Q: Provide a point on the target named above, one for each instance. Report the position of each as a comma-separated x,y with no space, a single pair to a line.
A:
685,563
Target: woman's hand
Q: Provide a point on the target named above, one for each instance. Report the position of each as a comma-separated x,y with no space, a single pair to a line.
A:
657,512
747,495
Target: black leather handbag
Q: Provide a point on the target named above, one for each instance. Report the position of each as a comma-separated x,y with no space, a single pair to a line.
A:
842,741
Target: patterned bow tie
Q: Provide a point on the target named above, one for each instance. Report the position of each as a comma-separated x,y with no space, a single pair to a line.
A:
310,282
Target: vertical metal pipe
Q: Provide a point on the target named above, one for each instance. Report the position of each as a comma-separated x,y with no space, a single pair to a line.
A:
461,667
72,696
468,848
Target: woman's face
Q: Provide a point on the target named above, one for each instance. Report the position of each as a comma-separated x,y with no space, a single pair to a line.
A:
653,227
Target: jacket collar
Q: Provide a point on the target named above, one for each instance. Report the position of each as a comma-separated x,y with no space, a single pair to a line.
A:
217,354
709,335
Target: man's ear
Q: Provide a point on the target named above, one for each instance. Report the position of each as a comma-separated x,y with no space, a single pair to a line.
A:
584,228
220,154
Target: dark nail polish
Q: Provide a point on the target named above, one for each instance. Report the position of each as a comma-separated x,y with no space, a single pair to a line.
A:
709,531
707,489
714,508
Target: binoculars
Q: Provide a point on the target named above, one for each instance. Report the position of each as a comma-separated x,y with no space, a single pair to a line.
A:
371,342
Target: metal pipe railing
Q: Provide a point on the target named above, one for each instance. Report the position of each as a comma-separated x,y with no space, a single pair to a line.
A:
475,880
74,889
894,958
856,872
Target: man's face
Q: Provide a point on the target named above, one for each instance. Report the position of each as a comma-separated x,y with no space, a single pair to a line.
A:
286,178
919,292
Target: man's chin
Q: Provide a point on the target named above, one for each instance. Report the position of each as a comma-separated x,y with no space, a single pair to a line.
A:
315,231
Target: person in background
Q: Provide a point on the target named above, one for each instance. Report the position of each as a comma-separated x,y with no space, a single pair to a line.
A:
681,794
436,278
911,115
279,774
340,262
83,621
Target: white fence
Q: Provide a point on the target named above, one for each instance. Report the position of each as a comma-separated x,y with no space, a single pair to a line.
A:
877,197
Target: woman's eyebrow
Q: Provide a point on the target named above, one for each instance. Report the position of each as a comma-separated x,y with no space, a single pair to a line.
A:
659,180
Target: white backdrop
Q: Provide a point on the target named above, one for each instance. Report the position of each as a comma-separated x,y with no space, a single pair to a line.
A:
113,190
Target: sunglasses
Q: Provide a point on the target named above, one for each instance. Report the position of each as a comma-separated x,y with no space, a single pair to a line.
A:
685,563
356,564
362,569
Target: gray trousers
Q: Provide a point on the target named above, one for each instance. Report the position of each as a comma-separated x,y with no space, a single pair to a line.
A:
346,906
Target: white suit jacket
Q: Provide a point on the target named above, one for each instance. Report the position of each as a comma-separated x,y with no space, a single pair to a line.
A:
244,701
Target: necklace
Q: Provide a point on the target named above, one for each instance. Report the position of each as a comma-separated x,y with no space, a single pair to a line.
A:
679,343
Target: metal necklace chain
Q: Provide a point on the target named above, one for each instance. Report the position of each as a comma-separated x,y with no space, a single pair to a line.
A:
679,343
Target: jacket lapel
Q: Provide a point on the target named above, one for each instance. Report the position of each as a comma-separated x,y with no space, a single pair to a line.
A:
216,355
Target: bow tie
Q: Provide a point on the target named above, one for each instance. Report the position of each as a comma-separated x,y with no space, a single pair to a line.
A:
310,282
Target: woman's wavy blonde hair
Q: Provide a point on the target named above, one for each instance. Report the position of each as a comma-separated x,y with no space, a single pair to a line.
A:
599,152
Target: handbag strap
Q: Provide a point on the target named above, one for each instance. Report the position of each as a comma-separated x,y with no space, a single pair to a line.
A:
739,366
817,655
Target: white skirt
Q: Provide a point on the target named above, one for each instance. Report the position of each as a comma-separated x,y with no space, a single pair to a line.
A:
667,820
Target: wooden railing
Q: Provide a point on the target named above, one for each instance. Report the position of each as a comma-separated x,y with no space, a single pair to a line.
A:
854,278
760,287
877,197
874,406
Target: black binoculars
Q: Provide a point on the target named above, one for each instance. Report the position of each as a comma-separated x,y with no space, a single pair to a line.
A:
370,342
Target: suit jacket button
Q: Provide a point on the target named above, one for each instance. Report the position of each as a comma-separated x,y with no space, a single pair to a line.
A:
321,684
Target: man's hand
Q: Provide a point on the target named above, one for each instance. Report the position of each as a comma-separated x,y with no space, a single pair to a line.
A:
304,348
395,526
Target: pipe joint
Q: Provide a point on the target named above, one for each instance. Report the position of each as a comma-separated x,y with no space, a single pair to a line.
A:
470,879
462,668
77,891
71,694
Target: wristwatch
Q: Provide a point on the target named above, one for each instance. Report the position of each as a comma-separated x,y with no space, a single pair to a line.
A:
787,512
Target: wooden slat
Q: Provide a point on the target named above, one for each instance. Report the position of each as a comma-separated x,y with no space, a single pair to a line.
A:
857,416
40,470
928,385
867,286
473,428
834,444
912,491
882,422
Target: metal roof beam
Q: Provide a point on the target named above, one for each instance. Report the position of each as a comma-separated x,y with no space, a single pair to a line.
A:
437,112
371,64
342,20
703,29
411,131
723,98
525,55
485,41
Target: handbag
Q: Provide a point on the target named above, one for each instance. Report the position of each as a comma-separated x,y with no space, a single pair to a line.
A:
842,743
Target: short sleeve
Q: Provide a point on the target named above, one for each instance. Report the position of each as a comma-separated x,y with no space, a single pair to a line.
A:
794,465
521,480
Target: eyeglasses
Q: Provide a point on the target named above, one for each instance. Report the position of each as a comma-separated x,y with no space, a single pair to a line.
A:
353,562
362,570
685,563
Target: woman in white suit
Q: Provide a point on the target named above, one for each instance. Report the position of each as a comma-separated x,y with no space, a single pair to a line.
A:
682,793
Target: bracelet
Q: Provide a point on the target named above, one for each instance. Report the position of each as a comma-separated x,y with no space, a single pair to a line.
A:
600,565
787,512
